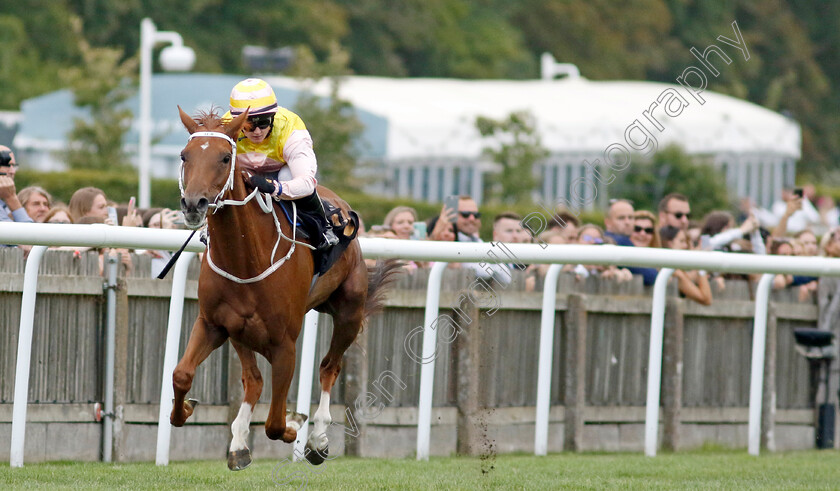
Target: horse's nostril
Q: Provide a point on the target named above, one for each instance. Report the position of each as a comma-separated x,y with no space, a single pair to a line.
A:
183,204
203,203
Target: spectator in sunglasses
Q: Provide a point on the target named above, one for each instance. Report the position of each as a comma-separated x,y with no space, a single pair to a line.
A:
277,152
644,234
468,220
675,211
467,225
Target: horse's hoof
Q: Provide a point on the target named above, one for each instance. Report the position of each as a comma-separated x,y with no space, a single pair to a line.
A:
316,457
300,418
192,403
239,459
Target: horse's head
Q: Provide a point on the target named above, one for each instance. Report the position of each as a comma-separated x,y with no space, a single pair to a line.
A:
207,163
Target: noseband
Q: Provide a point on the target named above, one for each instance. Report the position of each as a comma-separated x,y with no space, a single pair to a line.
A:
264,200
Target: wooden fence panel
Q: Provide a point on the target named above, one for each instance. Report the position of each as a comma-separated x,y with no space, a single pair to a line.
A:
792,369
509,358
68,343
67,331
617,354
717,353
387,337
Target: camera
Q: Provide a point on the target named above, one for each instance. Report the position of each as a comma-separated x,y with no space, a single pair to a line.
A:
5,158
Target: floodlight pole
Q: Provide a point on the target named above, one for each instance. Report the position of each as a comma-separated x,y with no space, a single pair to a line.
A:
149,36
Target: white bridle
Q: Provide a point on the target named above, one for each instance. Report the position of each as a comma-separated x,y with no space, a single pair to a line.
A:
265,203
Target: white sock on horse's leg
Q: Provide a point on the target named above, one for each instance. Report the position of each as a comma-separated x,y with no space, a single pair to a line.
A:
321,420
240,427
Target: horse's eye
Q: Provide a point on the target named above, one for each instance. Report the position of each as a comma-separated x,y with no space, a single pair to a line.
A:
226,159
183,159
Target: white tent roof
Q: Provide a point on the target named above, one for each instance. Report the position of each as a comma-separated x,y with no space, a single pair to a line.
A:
430,118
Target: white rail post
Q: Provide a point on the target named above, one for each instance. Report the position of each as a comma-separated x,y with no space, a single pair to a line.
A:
427,370
307,368
110,350
24,354
549,304
170,356
759,343
654,383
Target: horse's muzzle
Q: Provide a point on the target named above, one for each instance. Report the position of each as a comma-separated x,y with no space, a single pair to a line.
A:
195,210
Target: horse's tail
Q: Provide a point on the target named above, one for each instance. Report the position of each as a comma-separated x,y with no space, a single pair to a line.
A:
380,278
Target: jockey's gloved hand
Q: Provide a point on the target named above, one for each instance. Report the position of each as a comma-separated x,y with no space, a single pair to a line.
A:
266,185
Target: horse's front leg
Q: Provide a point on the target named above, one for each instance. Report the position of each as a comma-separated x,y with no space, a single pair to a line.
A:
282,370
203,340
239,455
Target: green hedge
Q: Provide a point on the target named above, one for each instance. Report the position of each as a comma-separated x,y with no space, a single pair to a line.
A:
119,187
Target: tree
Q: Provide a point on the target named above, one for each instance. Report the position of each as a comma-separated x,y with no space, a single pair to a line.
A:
516,148
434,38
24,70
100,84
671,170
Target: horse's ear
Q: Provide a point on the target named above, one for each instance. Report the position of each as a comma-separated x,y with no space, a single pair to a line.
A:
233,128
188,121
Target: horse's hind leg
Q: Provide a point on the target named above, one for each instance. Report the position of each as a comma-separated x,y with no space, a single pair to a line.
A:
282,369
203,340
239,455
345,330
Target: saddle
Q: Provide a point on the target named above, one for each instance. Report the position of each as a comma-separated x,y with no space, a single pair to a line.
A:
345,228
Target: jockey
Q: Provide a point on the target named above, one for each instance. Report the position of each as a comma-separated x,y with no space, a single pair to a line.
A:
276,148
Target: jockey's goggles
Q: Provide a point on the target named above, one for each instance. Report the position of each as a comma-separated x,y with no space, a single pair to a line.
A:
262,122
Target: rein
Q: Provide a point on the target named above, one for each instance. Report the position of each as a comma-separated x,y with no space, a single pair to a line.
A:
265,203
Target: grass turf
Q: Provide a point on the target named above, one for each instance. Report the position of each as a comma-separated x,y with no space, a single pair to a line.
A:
705,469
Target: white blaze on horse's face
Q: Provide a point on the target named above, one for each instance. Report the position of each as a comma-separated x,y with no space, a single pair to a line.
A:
207,162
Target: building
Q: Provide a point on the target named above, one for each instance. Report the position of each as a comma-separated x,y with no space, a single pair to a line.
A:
421,132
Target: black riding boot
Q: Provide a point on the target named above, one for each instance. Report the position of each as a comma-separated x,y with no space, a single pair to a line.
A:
313,205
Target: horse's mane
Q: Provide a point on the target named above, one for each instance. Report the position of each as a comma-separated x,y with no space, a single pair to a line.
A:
211,119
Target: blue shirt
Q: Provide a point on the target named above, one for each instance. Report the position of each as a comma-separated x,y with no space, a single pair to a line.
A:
7,215
647,274
621,240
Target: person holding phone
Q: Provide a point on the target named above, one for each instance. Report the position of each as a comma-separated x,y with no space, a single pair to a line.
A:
11,209
443,227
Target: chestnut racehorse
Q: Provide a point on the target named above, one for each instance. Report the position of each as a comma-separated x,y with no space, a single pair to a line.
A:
257,301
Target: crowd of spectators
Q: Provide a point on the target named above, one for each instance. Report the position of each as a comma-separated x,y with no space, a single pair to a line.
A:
88,205
795,225
789,228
